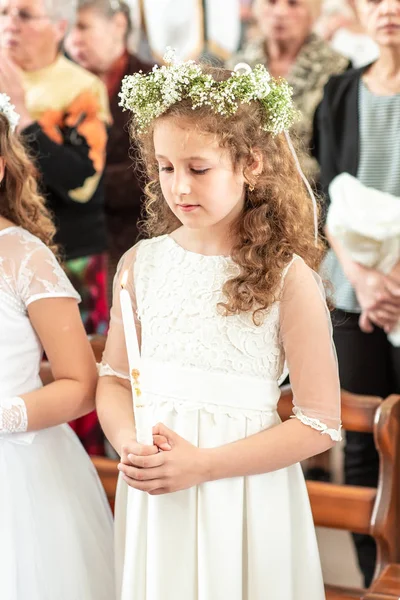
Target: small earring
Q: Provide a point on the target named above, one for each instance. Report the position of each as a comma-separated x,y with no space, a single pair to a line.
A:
251,188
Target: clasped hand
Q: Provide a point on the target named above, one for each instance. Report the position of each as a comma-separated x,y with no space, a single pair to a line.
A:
379,298
170,465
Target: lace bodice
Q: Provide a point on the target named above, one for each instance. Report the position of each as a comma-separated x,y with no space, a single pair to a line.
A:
28,272
175,294
181,322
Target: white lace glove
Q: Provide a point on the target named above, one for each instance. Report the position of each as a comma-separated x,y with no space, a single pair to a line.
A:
13,415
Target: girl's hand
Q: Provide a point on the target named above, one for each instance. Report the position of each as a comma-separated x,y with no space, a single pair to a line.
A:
183,467
132,447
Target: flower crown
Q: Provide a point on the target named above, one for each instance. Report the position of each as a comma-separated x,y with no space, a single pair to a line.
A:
149,96
8,110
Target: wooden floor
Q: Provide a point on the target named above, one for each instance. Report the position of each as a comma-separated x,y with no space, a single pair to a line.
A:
338,557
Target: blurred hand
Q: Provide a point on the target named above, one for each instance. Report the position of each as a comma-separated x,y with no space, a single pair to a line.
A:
383,319
376,291
334,22
11,84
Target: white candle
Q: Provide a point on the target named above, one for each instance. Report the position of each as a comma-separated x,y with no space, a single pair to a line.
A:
144,434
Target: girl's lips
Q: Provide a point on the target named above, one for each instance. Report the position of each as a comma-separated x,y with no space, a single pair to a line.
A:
188,207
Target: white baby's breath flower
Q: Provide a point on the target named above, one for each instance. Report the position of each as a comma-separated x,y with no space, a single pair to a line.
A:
149,96
9,111
170,56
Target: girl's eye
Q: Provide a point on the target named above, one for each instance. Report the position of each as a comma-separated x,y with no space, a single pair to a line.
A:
200,171
166,169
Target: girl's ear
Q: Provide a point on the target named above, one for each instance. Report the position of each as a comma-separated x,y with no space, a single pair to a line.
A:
255,166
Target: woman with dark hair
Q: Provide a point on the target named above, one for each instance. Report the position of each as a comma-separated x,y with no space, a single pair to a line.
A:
98,42
357,132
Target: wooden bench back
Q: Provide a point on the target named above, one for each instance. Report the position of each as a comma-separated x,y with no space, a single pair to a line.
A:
361,509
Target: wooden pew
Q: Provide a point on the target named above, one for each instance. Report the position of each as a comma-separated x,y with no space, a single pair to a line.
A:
371,511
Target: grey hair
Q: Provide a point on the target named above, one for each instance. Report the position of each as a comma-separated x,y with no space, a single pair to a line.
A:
109,8
62,10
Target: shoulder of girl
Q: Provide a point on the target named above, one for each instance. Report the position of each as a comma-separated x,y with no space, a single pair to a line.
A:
295,258
20,241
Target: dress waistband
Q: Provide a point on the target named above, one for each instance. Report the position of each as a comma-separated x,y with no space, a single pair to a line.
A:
199,387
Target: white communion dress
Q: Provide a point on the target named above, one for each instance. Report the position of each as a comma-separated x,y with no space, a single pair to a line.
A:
56,533
213,379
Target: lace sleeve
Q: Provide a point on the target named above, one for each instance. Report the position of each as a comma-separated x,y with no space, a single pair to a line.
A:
306,335
40,276
115,358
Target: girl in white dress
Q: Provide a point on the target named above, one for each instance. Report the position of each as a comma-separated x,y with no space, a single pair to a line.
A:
226,296
56,538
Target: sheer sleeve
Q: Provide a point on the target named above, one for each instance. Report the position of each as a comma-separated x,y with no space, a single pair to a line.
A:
40,276
306,336
115,358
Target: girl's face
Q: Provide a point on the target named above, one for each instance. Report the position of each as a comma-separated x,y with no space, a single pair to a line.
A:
197,177
381,19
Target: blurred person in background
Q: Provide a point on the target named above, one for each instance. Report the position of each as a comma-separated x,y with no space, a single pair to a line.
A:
357,134
288,48
249,23
342,27
98,43
64,116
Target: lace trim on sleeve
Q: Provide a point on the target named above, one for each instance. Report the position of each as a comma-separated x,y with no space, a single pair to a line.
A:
13,415
334,434
104,370
67,294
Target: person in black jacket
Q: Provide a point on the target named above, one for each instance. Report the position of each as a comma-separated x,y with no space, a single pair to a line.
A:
357,131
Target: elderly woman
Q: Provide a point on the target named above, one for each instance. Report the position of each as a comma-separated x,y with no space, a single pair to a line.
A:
357,132
289,49
98,42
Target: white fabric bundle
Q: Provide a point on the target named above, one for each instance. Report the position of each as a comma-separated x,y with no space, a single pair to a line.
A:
367,223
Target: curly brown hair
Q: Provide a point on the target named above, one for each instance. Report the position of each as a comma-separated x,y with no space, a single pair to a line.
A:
277,219
20,200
